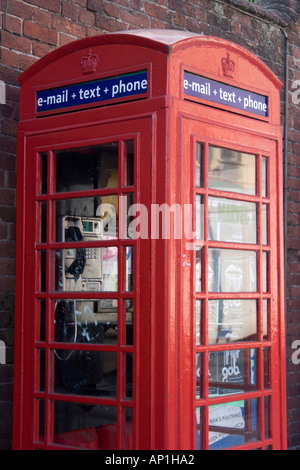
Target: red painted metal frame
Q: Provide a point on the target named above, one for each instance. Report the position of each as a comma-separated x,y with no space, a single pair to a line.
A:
165,128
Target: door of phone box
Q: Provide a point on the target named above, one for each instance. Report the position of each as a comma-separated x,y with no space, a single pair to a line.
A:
149,292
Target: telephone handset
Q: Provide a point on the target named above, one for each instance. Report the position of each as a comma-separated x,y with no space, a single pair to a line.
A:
78,265
81,268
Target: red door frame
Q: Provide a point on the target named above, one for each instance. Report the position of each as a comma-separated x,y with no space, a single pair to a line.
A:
199,130
27,362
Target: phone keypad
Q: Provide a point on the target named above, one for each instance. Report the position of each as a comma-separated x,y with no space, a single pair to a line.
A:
91,253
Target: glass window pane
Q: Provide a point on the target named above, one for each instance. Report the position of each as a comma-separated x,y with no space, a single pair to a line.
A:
264,176
265,260
234,423
127,376
129,269
264,226
229,170
198,321
199,375
265,319
231,270
87,168
43,176
198,270
87,219
199,428
199,165
42,272
266,368
75,424
129,151
199,218
232,320
267,401
231,221
87,269
232,371
86,321
41,315
127,428
42,216
128,322
79,372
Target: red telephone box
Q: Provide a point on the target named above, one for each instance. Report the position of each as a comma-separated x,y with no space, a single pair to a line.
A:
149,296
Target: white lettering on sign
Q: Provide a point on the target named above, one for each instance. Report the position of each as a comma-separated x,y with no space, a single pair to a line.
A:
112,88
223,94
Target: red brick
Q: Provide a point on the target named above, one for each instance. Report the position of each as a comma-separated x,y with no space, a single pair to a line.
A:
42,17
41,33
53,5
63,25
158,12
135,18
86,17
70,11
20,9
15,43
112,10
13,24
7,197
10,58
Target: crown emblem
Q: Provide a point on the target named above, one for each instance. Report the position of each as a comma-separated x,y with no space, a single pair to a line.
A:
228,66
89,63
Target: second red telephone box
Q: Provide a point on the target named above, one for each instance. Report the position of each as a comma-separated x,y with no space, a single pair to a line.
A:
149,297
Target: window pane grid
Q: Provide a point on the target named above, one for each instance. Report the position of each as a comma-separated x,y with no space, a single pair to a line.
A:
121,337
258,293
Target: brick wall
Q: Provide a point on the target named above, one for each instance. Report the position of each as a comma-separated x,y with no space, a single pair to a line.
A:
32,28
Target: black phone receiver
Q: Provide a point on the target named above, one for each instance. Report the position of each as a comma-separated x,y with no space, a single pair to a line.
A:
78,265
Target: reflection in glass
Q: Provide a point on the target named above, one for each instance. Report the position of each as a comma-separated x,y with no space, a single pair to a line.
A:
231,221
232,371
238,422
81,372
231,270
229,170
89,420
87,168
86,321
232,320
